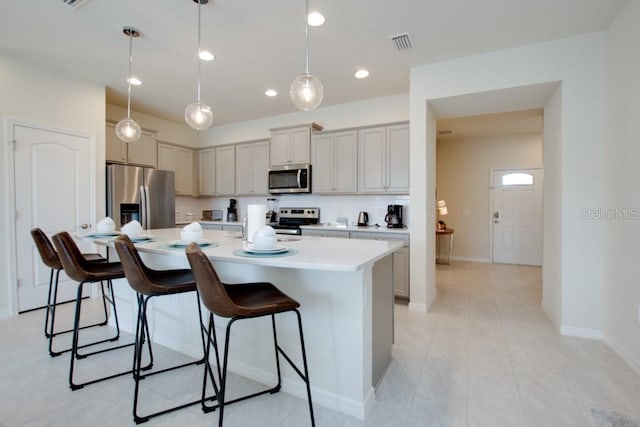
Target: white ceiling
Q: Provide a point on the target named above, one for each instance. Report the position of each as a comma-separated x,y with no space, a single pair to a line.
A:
260,44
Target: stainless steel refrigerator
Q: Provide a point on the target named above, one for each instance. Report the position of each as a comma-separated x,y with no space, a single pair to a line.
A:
143,194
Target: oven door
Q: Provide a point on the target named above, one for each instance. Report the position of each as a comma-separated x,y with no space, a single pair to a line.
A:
290,179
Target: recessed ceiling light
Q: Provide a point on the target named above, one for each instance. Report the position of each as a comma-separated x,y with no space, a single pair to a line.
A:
361,73
271,92
315,19
205,55
134,81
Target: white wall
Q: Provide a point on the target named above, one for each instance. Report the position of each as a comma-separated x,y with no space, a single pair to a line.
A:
578,63
463,179
48,97
166,131
622,234
370,112
552,210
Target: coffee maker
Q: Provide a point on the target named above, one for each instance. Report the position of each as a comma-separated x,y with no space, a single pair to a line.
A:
394,216
232,212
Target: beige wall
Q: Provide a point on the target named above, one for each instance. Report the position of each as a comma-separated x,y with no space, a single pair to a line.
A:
463,179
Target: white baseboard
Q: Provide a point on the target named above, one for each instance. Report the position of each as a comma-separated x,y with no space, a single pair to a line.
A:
414,306
592,334
298,389
471,259
555,322
6,313
617,349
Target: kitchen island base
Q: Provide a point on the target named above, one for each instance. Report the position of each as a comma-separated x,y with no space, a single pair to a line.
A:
347,318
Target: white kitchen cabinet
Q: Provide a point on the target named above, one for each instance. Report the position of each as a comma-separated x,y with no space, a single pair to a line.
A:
140,153
334,157
207,172
252,166
179,160
400,259
225,171
321,232
291,145
383,159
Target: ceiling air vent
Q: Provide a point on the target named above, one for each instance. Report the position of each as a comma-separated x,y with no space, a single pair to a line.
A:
402,41
75,3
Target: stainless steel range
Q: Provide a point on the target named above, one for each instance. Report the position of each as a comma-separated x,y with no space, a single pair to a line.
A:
290,219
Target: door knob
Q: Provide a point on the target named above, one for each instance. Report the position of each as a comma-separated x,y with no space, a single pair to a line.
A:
85,226
496,221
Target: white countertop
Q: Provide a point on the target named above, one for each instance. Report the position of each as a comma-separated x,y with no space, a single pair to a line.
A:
371,229
313,253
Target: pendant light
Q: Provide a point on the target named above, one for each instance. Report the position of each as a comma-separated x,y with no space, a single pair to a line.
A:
198,114
127,129
306,90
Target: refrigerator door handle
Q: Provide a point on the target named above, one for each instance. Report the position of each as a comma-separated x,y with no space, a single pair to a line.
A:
144,207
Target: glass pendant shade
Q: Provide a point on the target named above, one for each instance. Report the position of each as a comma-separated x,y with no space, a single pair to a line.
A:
198,115
128,130
306,92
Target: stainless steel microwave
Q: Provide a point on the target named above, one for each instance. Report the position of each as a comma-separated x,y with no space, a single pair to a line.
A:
290,179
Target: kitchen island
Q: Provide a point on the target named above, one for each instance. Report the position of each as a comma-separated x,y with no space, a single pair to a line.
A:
345,291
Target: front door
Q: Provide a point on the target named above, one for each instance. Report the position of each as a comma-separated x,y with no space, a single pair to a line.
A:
516,216
53,172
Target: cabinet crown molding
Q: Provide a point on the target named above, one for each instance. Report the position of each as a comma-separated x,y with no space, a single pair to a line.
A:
314,127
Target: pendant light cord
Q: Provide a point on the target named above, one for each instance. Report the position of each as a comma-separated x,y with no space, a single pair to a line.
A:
129,80
306,21
199,2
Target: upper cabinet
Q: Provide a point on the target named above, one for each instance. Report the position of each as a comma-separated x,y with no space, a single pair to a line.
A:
334,157
207,172
179,160
142,152
383,159
291,145
217,171
225,171
252,166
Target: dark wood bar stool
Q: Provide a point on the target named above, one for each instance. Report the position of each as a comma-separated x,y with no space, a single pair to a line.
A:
50,258
238,302
83,272
148,283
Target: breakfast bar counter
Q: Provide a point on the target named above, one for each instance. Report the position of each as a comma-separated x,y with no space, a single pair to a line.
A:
345,291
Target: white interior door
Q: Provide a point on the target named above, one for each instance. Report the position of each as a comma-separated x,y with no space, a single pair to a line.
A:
52,177
516,216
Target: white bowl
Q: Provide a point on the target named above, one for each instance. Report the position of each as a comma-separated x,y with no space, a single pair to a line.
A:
191,235
105,228
265,238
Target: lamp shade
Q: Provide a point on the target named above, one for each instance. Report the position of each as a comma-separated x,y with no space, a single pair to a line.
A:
306,92
128,130
198,115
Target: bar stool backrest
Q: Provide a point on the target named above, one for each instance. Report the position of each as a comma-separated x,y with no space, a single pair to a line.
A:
135,270
211,289
45,249
75,265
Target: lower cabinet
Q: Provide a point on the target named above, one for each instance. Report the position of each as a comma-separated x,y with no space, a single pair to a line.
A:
400,257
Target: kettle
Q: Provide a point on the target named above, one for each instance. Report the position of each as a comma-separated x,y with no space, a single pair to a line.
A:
363,219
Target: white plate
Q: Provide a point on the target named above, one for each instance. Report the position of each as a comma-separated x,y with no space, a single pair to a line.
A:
183,244
141,239
276,250
103,235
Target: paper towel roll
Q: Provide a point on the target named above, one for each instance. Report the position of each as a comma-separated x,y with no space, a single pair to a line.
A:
256,219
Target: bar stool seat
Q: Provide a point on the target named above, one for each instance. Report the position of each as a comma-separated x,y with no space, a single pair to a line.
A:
238,302
50,258
83,272
149,283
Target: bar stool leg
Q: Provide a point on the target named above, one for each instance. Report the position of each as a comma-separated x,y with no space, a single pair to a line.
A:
52,307
306,369
48,333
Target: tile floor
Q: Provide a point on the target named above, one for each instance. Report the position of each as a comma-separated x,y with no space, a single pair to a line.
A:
485,355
